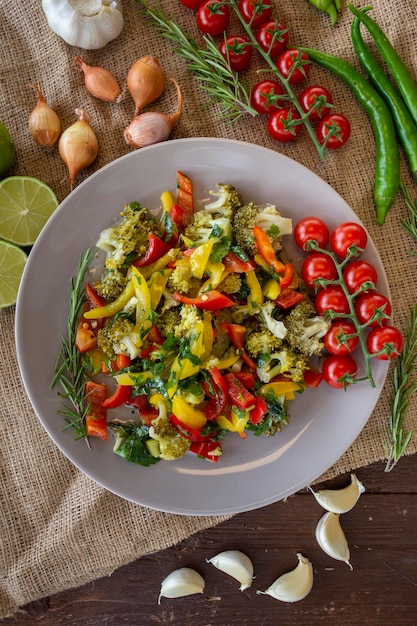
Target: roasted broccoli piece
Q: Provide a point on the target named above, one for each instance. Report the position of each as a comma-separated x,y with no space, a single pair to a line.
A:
262,342
171,444
168,321
285,361
119,336
204,226
266,217
306,329
230,284
129,236
190,317
228,200
111,283
182,280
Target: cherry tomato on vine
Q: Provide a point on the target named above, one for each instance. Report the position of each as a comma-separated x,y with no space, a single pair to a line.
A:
256,10
357,273
373,304
338,369
337,339
294,65
237,51
213,17
333,131
315,100
273,38
192,4
332,298
318,265
282,125
311,228
346,235
385,337
265,96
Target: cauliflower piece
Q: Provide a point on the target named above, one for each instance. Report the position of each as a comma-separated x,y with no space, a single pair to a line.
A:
265,316
266,217
283,362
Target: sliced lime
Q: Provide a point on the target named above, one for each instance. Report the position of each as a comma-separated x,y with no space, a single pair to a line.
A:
12,264
26,204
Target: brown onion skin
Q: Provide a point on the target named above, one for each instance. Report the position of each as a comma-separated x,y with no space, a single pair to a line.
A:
145,82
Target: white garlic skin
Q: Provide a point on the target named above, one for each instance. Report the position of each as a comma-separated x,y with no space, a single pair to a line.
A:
181,582
87,24
294,585
332,539
340,500
236,564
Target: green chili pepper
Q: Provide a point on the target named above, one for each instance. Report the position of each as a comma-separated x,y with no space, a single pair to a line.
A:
406,128
331,7
402,75
387,167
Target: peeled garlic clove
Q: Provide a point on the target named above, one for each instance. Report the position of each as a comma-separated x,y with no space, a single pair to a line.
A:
294,585
235,563
340,500
181,582
332,539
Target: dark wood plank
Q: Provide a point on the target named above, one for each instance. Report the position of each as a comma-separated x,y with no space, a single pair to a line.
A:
382,535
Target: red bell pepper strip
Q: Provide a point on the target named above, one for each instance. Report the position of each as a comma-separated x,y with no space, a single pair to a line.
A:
86,335
96,416
209,301
93,299
259,410
119,397
207,449
122,361
288,298
246,378
267,252
155,336
238,394
236,334
156,249
190,433
217,404
312,379
147,412
185,196
232,263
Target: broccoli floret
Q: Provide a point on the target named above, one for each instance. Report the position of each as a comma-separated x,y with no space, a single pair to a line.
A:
265,316
118,336
285,361
129,236
230,284
228,200
262,342
171,444
266,217
181,279
204,226
168,321
305,329
190,317
111,283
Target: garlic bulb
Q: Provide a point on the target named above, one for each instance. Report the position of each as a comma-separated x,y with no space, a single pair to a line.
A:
88,24
235,563
181,582
340,500
332,539
294,585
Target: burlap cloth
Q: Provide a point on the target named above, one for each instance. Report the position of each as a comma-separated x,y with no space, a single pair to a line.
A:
58,528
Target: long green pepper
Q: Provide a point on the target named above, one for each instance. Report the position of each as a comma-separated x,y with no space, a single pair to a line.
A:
331,7
387,166
404,123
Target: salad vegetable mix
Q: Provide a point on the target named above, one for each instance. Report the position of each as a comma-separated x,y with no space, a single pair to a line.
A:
202,326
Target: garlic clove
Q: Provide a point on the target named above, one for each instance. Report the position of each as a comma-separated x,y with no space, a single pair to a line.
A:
332,539
235,563
294,585
181,582
340,500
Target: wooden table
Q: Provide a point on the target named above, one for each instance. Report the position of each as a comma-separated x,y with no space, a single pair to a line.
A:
381,589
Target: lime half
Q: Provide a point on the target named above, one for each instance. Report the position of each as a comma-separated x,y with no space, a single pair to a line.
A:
12,264
26,203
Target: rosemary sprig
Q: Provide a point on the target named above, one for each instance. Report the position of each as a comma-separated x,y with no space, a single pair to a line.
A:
404,385
409,224
69,369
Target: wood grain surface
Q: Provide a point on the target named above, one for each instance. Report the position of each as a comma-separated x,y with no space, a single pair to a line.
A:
381,589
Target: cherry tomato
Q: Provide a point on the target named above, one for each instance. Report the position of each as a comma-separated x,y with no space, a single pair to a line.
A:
357,273
265,96
337,340
333,131
273,38
237,51
192,4
255,12
315,100
332,298
337,369
294,65
318,265
373,304
346,235
281,126
311,228
213,17
385,337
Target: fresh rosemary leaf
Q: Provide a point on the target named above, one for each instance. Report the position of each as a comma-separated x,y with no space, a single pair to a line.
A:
409,224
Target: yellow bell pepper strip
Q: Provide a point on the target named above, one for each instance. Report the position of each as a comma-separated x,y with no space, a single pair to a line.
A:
237,334
271,289
167,200
224,364
112,307
217,273
191,417
200,257
212,300
185,197
96,415
240,419
225,423
133,378
143,306
208,335
157,283
191,433
255,297
156,249
160,264
281,387
188,364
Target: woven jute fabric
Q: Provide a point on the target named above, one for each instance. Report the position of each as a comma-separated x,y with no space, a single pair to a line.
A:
58,529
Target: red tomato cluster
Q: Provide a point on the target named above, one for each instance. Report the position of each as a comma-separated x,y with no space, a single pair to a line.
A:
371,308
